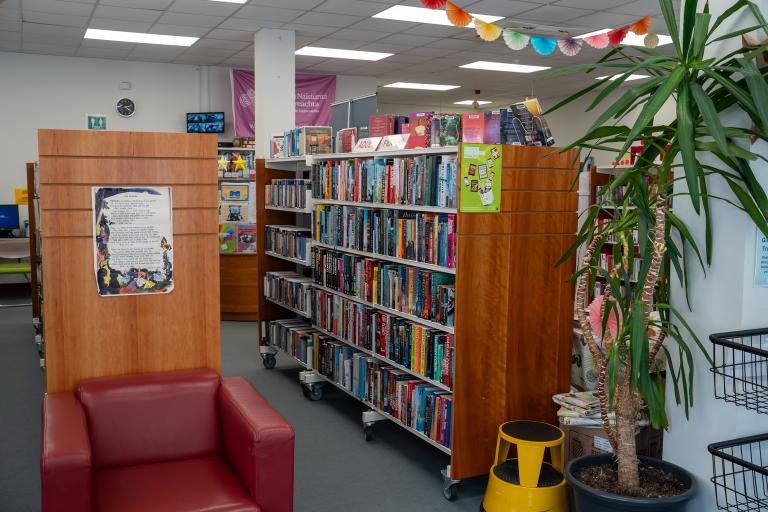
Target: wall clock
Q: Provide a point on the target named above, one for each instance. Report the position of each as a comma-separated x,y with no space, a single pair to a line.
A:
125,107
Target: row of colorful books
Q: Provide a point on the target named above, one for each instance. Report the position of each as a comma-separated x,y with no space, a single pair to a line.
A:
287,193
235,238
422,293
428,352
606,262
306,140
422,180
290,289
289,241
295,337
423,237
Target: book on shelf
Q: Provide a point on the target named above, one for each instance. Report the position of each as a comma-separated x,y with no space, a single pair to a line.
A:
450,129
346,138
481,127
421,293
288,193
421,237
308,140
425,351
246,238
381,125
227,238
290,289
277,145
426,180
289,241
420,129
294,337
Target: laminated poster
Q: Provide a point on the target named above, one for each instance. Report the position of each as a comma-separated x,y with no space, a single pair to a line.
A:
132,240
761,259
480,180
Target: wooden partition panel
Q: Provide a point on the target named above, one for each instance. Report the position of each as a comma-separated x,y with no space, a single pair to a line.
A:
514,306
90,336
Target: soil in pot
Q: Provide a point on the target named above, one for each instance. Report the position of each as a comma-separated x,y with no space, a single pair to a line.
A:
654,482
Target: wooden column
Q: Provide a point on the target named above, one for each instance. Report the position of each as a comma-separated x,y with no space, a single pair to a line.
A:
87,335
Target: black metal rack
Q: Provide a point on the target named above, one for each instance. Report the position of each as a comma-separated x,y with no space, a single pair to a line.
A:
741,368
740,474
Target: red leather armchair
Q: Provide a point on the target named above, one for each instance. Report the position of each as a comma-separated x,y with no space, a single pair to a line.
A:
172,442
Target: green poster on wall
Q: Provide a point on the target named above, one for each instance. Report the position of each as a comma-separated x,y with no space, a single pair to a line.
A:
480,180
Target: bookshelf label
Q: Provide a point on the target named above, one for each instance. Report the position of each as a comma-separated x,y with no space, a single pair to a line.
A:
480,178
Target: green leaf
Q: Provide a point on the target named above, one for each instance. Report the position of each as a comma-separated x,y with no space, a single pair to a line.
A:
627,100
686,236
709,115
735,33
689,12
668,10
742,97
700,28
749,206
570,99
758,89
727,14
638,344
686,139
707,217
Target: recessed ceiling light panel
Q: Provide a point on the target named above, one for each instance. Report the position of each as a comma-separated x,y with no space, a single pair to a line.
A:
471,102
424,87
631,39
335,53
504,66
422,15
231,1
629,78
138,37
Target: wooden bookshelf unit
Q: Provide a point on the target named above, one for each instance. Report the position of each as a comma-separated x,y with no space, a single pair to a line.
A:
511,338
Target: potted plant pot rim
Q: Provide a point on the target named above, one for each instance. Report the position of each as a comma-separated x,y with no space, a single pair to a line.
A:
588,499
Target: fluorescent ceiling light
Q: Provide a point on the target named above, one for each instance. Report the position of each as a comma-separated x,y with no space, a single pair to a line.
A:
335,53
631,39
425,87
503,66
629,78
471,102
422,15
138,37
231,1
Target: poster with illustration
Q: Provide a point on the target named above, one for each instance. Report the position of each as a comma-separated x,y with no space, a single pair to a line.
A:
480,178
132,240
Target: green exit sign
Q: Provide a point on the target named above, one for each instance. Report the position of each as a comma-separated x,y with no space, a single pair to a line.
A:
97,122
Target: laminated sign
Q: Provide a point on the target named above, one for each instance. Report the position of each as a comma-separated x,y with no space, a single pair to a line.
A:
480,180
132,240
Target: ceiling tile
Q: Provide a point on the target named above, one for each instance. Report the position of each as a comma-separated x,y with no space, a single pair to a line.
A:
224,44
248,25
58,7
37,28
356,8
198,60
327,20
106,45
55,19
305,61
428,51
408,40
65,40
204,7
49,49
359,35
303,5
10,46
343,44
603,20
310,30
10,26
504,8
127,26
163,53
238,63
454,44
189,20
178,30
10,36
596,5
424,29
256,12
379,25
641,8
103,53
123,13
232,35
380,46
552,14
159,5
10,14
221,53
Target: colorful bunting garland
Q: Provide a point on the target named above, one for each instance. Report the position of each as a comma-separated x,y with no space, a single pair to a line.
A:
544,45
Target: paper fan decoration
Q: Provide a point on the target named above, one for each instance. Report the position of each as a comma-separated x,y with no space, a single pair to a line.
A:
515,40
433,4
641,26
543,45
570,46
597,41
456,15
617,36
487,31
596,318
651,40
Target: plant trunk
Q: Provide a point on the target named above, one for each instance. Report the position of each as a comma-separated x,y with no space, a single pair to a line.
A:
627,405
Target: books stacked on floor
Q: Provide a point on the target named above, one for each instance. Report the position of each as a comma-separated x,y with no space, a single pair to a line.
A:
420,181
287,193
289,289
422,293
307,140
294,337
422,237
427,352
289,241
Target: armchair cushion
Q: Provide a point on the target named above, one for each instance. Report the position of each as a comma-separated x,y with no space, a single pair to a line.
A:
205,484
258,444
157,417
65,455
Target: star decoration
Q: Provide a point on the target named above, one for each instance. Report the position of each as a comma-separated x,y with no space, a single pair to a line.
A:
239,163
223,163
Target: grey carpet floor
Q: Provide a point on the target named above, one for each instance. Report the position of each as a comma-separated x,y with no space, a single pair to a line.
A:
336,469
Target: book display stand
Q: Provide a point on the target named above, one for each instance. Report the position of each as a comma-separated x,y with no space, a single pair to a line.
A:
432,317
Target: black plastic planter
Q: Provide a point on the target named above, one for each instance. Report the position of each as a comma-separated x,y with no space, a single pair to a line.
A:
587,499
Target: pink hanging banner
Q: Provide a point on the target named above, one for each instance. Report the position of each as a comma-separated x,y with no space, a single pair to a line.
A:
314,96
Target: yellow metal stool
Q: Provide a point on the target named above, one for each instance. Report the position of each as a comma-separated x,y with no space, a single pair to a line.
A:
527,483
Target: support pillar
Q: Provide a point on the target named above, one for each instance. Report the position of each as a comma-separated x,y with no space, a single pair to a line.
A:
274,68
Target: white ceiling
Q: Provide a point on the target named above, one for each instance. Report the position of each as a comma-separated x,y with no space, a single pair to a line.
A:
423,53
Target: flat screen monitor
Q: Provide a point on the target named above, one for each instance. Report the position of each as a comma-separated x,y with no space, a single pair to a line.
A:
9,216
205,122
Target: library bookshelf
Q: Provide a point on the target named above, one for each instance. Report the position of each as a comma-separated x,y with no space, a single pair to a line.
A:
511,334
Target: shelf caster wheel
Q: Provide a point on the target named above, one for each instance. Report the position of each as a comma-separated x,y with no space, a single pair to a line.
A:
305,391
451,491
368,433
314,393
269,361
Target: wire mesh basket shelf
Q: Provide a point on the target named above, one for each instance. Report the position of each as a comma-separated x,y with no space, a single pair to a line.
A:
741,368
740,474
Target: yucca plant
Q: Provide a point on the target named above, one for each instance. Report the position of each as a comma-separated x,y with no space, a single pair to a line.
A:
617,328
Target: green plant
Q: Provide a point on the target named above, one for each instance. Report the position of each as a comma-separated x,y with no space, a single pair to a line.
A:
703,88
